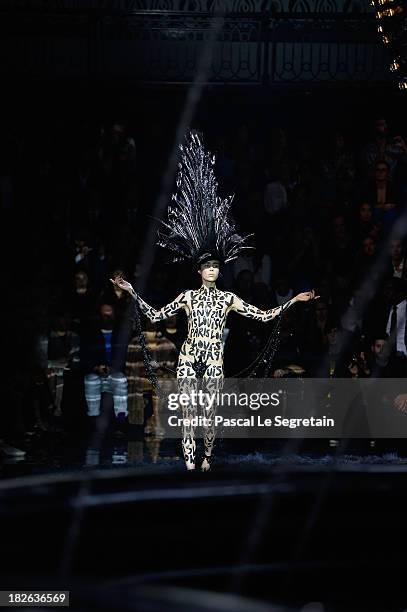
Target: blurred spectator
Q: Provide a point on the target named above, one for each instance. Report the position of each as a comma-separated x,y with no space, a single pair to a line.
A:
226,164
365,225
245,336
121,301
380,365
303,258
98,266
338,171
382,195
398,260
396,326
259,264
364,261
282,291
275,193
81,300
315,333
58,353
383,147
340,250
330,363
289,360
102,361
81,250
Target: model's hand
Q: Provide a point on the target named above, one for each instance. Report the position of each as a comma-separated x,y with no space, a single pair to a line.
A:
122,284
306,296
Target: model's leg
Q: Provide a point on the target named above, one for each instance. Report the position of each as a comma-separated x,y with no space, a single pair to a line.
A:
187,383
213,378
93,393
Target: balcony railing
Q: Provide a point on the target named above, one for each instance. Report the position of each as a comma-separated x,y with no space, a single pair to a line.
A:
247,47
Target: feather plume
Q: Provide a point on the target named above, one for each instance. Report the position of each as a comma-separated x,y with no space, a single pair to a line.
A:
199,223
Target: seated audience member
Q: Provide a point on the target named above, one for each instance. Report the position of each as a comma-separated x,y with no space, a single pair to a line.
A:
396,325
388,312
379,358
173,329
103,351
341,253
364,224
245,285
282,291
245,336
99,266
315,332
384,147
398,259
259,265
364,261
80,300
382,195
289,359
303,258
159,287
353,318
81,251
337,171
58,353
121,301
275,193
261,294
330,361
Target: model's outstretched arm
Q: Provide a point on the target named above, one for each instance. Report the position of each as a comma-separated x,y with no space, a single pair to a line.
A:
152,313
252,312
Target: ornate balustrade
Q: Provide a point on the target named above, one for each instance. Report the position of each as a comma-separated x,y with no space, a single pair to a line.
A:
248,42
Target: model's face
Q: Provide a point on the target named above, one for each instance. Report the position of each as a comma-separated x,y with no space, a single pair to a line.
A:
210,270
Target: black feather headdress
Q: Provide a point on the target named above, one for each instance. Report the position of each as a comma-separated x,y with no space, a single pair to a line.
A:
199,225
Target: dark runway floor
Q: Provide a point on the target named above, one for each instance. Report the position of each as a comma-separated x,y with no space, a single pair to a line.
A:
57,452
276,525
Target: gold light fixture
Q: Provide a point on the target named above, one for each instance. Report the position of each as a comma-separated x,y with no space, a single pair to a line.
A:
392,29
395,65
